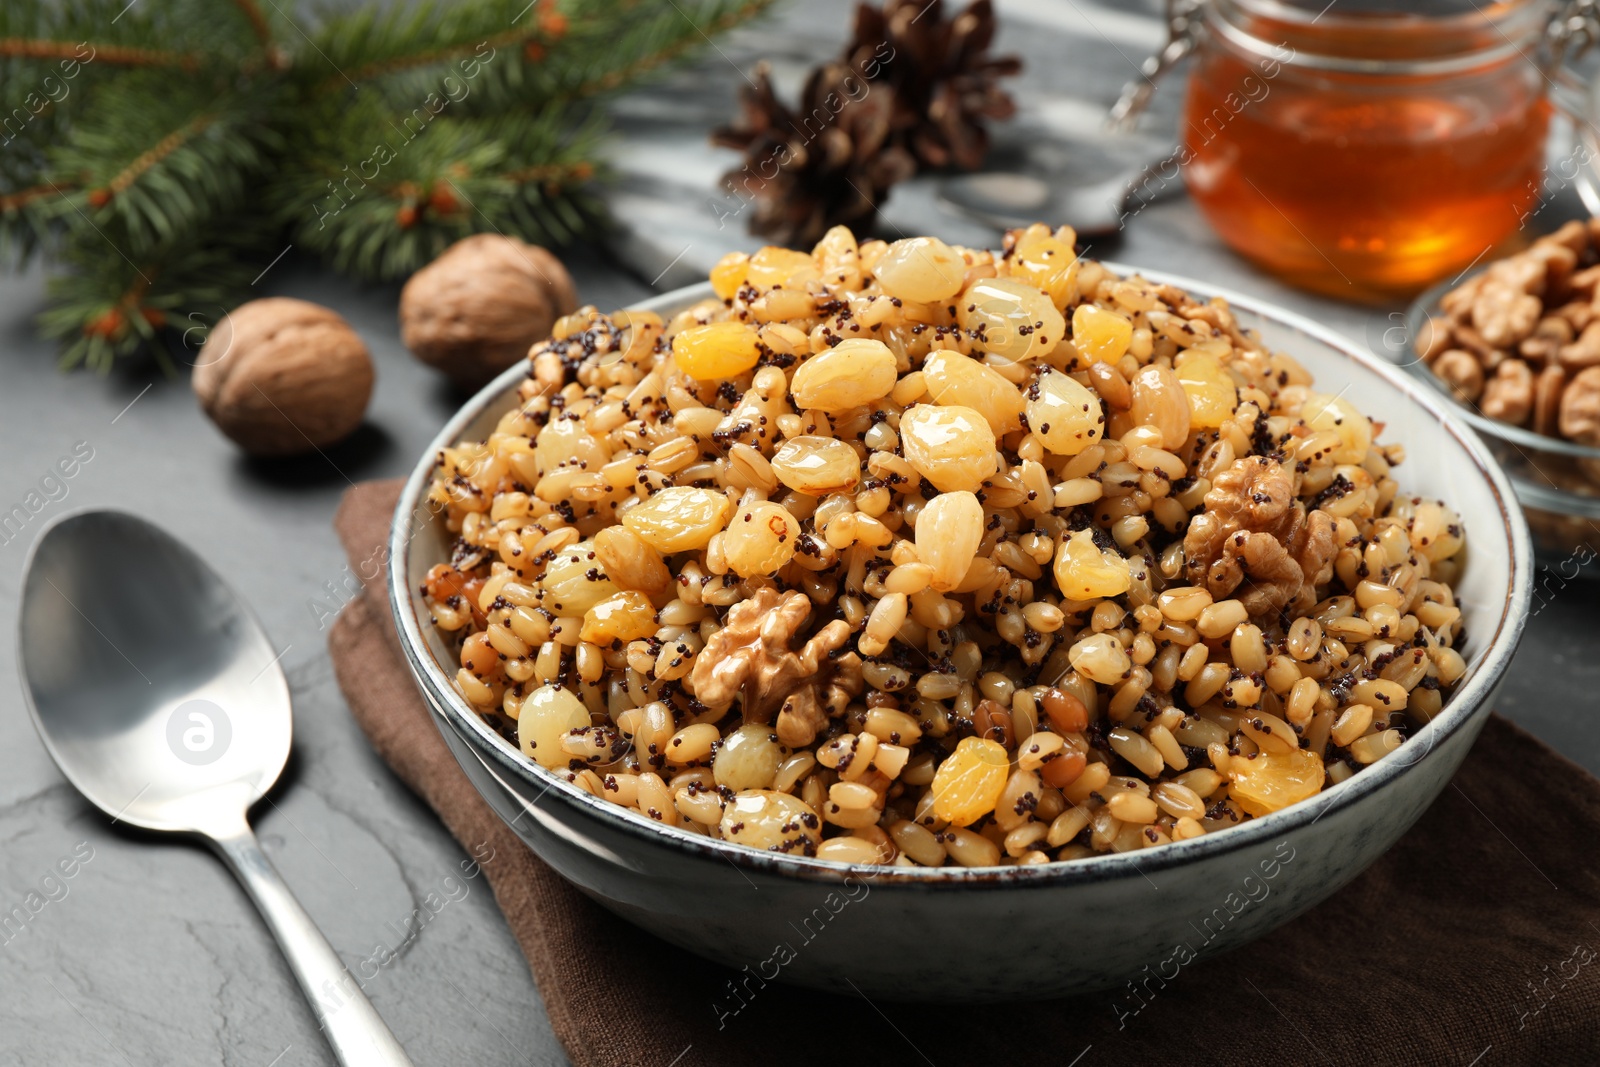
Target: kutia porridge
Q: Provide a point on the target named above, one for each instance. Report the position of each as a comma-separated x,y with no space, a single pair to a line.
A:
911,554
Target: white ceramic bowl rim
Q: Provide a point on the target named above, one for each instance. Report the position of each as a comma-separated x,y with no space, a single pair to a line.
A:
1470,693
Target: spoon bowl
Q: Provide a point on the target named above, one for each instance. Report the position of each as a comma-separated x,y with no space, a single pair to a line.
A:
134,648
1095,209
160,698
1010,200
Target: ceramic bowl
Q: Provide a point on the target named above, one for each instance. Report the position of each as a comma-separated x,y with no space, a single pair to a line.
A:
1005,932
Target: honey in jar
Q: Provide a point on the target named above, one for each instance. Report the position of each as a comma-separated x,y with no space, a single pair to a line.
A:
1366,149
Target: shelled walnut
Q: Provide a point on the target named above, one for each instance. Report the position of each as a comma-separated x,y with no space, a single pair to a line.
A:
1580,408
1508,396
750,658
1254,528
1521,341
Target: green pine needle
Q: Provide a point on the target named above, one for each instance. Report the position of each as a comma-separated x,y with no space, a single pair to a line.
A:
163,151
108,307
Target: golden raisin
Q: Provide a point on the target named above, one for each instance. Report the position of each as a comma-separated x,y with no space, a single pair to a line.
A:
716,350
1010,318
729,274
848,375
1100,335
625,616
1274,780
1211,392
1085,572
952,447
679,518
548,714
956,379
1064,414
817,466
969,781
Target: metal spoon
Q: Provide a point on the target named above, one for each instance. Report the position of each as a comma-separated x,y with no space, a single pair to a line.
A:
159,697
1009,199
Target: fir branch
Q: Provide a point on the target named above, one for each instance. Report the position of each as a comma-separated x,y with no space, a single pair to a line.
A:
401,202
27,222
123,33
562,174
158,152
614,79
429,58
166,165
596,46
24,197
115,55
258,21
95,330
31,195
373,41
109,307
193,137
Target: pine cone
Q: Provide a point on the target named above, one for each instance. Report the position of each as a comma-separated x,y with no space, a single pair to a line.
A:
824,164
944,84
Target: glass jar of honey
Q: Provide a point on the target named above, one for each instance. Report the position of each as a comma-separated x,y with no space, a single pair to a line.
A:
1365,148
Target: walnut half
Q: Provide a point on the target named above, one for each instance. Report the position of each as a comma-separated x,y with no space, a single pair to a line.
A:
1256,541
1580,407
1508,396
751,658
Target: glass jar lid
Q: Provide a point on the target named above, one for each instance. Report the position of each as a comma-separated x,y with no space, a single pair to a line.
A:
1381,36
1373,37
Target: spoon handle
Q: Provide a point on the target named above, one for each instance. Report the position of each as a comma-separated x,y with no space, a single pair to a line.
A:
353,1027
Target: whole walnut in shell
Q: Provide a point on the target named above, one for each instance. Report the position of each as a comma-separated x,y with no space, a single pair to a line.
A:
282,377
480,306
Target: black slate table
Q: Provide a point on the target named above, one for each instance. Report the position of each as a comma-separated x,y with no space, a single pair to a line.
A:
149,953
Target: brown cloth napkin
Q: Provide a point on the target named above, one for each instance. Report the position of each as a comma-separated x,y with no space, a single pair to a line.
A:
1475,941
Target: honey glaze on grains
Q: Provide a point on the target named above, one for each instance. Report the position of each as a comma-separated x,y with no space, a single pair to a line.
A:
1374,180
